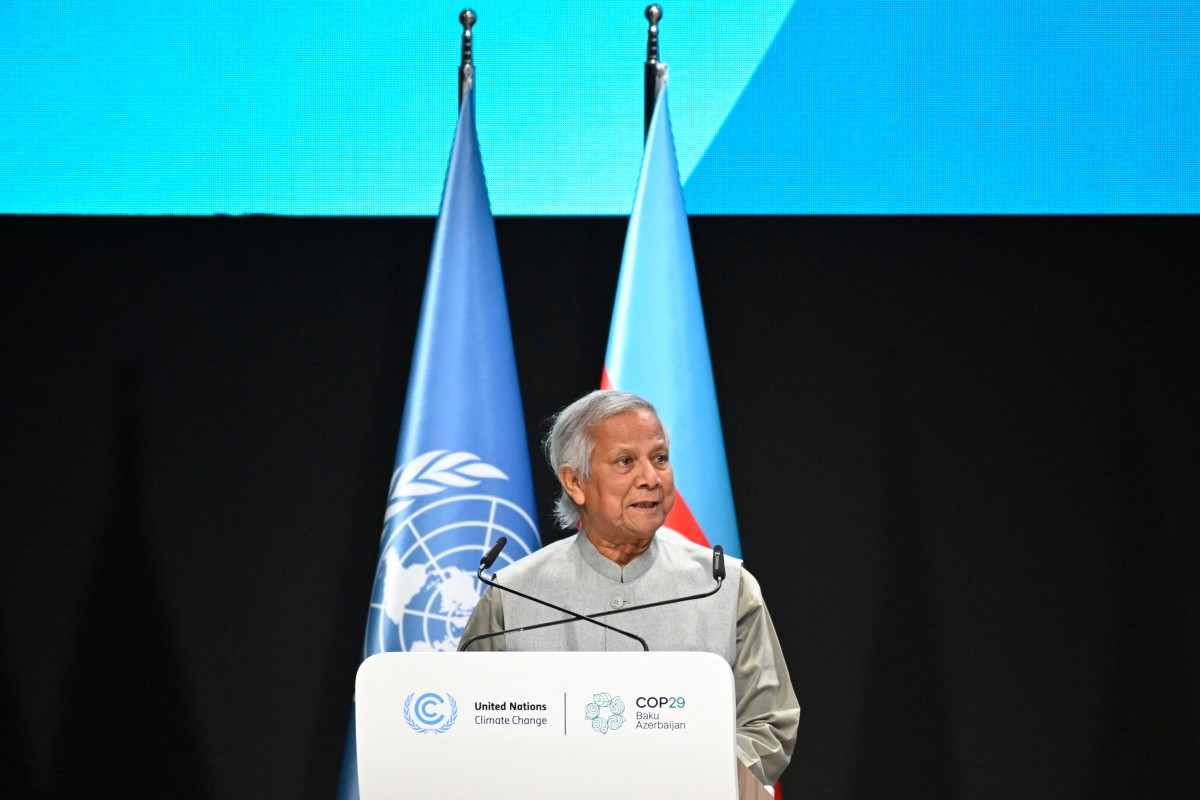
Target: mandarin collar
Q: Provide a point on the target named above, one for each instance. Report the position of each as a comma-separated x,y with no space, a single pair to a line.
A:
611,569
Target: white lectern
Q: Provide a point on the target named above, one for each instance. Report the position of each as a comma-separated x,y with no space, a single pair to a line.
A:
591,726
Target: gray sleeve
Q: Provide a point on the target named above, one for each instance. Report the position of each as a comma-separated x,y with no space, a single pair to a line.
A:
768,713
487,616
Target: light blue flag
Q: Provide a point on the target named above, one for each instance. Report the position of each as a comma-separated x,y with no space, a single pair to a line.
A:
658,299
462,477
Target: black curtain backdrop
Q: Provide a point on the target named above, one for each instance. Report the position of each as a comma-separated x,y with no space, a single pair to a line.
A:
964,456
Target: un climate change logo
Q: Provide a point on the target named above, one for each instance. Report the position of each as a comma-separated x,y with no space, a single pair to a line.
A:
437,527
430,713
606,713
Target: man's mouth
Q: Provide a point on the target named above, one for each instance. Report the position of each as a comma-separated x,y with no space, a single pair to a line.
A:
647,505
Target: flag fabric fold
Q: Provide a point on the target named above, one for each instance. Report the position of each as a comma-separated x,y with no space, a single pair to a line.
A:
658,347
462,475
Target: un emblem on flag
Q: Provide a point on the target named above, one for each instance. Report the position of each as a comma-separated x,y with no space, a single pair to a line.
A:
438,526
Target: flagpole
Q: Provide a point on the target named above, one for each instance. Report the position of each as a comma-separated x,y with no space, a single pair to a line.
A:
466,70
656,72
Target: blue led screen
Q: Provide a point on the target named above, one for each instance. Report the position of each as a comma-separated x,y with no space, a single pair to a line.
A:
347,107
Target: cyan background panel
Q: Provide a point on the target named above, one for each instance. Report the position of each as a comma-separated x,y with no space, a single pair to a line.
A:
347,107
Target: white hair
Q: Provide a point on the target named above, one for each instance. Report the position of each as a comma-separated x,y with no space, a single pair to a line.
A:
571,440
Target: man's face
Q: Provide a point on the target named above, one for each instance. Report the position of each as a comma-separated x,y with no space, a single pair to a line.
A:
632,485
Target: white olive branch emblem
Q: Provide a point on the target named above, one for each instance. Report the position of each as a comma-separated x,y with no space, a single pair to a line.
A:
433,472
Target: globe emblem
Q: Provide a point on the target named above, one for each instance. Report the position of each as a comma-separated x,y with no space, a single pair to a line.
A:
425,584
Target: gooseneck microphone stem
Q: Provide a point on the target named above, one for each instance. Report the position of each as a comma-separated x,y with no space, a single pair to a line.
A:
592,617
718,576
574,616
490,557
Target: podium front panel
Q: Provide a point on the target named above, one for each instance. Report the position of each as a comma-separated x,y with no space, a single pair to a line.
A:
533,725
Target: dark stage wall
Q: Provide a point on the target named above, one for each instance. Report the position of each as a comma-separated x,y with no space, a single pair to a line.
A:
964,454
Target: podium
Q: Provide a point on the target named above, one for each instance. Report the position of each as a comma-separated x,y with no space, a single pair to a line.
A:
591,726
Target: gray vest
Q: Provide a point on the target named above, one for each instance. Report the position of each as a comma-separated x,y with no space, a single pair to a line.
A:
571,573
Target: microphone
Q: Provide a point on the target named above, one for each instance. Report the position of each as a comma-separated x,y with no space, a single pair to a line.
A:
718,573
486,562
490,556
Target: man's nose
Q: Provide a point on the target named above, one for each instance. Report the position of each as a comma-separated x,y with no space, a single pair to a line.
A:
647,475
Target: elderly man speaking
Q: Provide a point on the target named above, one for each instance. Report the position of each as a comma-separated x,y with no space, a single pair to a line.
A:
612,456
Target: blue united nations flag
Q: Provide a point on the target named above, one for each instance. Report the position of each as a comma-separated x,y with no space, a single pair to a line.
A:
462,477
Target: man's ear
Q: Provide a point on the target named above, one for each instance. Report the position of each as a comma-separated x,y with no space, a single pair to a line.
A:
571,483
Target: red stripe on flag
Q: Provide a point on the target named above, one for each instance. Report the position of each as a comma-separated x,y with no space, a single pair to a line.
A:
681,521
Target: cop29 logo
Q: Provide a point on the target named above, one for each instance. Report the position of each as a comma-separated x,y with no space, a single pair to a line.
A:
430,713
605,712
